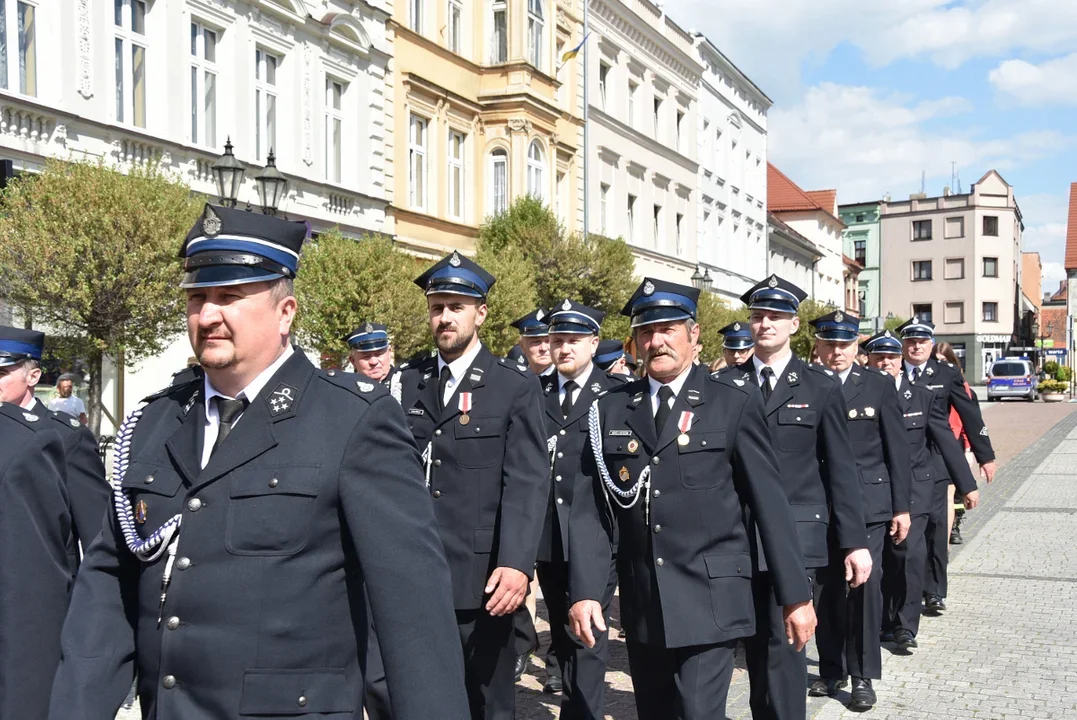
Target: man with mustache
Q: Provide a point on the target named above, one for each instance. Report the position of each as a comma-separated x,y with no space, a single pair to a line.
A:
671,463
258,503
805,414
479,423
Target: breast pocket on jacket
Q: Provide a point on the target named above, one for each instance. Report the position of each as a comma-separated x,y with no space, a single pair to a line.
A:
812,521
151,488
271,509
480,443
702,458
863,428
796,428
730,579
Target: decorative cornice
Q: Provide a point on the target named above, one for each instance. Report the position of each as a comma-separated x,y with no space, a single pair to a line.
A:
85,73
652,41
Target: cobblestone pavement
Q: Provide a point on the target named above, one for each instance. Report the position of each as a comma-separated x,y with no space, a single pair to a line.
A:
1006,647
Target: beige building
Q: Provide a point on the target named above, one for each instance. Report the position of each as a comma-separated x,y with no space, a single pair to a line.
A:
956,260
482,114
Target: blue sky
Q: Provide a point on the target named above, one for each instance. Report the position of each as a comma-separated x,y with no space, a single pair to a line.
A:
869,93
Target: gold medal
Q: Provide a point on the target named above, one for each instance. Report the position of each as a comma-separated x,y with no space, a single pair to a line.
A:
140,512
465,419
633,446
683,439
623,474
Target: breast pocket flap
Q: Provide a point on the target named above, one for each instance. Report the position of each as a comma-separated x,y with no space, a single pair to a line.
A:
797,416
728,565
702,442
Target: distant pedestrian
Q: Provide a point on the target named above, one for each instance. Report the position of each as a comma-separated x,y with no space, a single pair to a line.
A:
68,402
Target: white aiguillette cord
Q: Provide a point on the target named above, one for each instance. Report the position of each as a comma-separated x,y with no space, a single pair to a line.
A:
643,482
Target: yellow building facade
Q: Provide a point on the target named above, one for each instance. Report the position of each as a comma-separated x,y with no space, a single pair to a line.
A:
483,113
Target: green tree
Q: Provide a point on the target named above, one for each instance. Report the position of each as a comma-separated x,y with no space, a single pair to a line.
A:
714,313
91,254
512,296
804,339
893,323
344,281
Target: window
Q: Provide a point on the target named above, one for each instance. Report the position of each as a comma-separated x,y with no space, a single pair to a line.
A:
417,162
203,86
990,312
955,227
657,226
560,202
923,312
921,229
991,225
680,234
631,218
416,7
18,50
456,175
860,251
334,126
603,83
456,25
130,61
632,88
954,313
991,267
499,40
955,268
265,102
860,217
680,123
534,171
603,207
921,270
499,171
534,32
657,118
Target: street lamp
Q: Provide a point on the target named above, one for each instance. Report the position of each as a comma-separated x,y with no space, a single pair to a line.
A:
229,174
701,280
271,185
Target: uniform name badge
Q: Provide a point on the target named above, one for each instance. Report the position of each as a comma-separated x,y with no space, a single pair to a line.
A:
684,425
465,408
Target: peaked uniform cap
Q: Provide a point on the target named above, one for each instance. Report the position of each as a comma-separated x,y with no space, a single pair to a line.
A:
838,326
18,344
660,301
456,274
775,294
737,336
573,318
915,327
609,352
369,337
534,324
883,343
234,247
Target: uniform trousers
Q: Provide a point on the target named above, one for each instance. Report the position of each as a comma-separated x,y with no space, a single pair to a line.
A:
375,689
525,637
489,659
687,683
904,567
850,619
938,540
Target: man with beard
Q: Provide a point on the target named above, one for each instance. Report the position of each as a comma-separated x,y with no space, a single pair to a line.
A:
672,462
479,423
849,620
937,457
737,343
257,506
87,490
805,413
921,367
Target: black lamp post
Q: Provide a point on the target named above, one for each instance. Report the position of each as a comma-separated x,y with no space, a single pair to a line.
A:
271,186
701,280
229,174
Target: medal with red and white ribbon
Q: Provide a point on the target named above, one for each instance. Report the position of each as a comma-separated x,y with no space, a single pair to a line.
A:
684,425
465,408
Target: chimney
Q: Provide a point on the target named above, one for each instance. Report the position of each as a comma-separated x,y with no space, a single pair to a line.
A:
946,191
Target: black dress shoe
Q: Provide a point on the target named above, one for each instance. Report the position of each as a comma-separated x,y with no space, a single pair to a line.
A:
955,536
886,636
553,685
826,686
904,640
521,665
863,695
934,605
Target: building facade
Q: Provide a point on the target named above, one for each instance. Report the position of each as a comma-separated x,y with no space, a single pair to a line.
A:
790,255
127,82
860,241
644,77
731,201
483,113
956,260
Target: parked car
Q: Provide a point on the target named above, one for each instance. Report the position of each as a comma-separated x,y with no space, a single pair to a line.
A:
1011,377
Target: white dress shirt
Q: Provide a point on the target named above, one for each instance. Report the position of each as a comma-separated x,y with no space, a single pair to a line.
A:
675,385
778,366
580,381
249,393
844,374
909,367
457,368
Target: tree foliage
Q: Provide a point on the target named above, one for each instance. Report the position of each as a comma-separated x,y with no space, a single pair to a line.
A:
344,281
91,253
803,341
713,315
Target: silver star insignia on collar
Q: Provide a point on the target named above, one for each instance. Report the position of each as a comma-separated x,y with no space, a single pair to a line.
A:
74,423
930,371
364,387
30,418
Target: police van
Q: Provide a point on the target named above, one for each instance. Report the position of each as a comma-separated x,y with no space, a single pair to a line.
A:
1011,377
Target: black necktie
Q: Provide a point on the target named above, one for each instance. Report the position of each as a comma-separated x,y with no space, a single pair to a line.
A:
566,403
915,374
664,394
443,382
228,410
767,373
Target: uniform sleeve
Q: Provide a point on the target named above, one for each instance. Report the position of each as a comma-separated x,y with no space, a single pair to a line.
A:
896,448
953,455
35,535
390,518
86,485
590,533
971,419
840,474
758,481
525,480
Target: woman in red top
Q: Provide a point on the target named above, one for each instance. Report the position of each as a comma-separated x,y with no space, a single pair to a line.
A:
945,353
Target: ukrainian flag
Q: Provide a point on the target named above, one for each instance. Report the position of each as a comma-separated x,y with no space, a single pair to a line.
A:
574,51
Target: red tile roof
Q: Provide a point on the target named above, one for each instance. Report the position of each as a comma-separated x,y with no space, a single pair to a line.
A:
826,199
1071,230
784,195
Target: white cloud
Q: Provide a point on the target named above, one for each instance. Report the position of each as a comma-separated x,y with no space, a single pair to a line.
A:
1051,83
1052,274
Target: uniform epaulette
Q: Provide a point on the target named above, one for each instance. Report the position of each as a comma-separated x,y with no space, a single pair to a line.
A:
69,422
413,365
31,420
518,367
356,384
728,376
949,364
820,369
180,381
404,365
620,378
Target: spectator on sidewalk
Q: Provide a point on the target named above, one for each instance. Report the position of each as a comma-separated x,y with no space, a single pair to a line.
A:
67,401
944,351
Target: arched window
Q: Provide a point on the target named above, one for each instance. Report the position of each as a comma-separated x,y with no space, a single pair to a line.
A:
535,166
499,181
